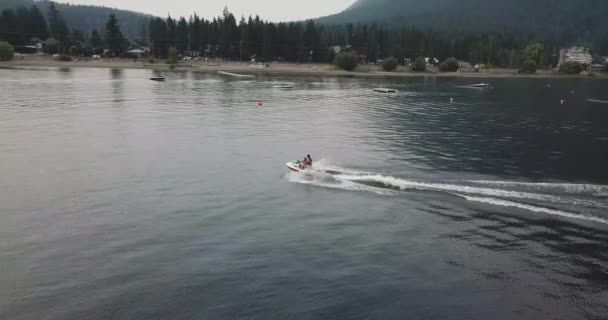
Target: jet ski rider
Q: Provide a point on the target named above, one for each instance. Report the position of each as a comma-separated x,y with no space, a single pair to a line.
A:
307,162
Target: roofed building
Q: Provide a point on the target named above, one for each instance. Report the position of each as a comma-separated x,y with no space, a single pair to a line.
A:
576,54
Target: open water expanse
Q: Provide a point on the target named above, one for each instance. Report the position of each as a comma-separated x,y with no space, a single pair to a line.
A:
124,198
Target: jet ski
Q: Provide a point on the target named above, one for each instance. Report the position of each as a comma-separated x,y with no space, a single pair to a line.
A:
296,166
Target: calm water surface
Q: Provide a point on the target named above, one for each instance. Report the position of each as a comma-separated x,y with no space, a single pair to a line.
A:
122,198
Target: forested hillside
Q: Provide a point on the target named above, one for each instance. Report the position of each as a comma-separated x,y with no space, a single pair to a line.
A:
88,18
555,20
464,31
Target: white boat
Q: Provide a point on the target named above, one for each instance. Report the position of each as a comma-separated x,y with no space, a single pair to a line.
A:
230,74
480,85
283,86
385,90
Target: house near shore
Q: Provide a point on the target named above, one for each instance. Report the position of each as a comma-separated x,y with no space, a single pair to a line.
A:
464,66
350,49
595,68
431,61
138,52
580,55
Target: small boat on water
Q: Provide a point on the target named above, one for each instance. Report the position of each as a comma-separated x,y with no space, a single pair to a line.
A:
230,74
597,101
158,78
385,90
480,85
283,86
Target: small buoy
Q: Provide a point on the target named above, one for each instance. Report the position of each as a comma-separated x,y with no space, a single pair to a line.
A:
562,101
451,100
260,103
572,91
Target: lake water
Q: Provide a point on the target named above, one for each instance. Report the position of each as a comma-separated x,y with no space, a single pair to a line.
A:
124,198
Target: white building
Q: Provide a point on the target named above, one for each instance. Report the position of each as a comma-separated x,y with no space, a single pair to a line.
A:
576,54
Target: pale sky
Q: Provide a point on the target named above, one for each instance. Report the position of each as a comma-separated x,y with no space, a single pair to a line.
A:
274,10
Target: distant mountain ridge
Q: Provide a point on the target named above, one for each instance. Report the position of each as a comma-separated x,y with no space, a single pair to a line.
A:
86,18
558,20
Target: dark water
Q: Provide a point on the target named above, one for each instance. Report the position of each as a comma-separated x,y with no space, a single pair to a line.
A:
122,198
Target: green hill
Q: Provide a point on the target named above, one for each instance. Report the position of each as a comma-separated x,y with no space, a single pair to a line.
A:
87,18
558,20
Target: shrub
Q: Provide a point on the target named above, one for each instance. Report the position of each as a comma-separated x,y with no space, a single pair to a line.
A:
173,57
6,51
151,60
419,65
390,64
570,68
51,46
534,52
529,67
449,65
63,57
346,61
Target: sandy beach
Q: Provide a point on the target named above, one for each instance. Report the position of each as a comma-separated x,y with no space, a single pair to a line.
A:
365,70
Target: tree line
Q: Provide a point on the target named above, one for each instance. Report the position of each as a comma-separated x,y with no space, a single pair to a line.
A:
309,41
26,26
226,38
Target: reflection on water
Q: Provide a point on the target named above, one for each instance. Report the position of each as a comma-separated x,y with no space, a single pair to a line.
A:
128,198
117,73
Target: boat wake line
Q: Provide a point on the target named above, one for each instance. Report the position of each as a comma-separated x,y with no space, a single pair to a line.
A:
574,201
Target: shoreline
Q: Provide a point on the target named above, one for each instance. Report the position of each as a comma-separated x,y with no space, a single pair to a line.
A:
310,69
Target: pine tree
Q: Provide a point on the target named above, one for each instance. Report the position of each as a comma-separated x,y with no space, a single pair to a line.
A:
171,32
114,38
8,27
58,27
267,53
195,32
181,34
228,35
37,23
159,38
95,42
23,32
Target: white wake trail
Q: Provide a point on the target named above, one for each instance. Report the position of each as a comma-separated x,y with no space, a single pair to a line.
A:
483,191
506,203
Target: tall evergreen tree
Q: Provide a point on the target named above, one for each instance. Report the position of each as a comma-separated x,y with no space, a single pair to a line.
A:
95,42
195,32
114,37
37,23
8,27
159,43
181,34
23,31
171,32
58,26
